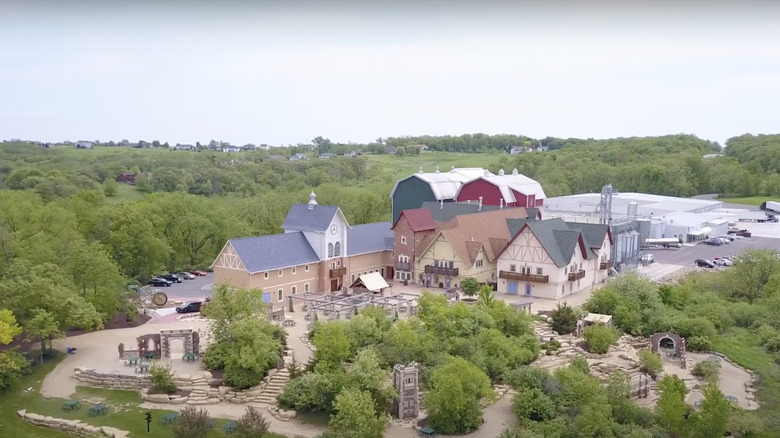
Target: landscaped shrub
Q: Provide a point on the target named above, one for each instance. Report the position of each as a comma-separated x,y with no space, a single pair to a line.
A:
215,356
162,379
652,363
746,315
12,366
599,338
581,364
698,343
252,424
193,423
564,319
707,369
533,404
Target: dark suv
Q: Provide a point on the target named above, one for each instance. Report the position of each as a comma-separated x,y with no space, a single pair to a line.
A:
189,307
159,282
704,263
171,277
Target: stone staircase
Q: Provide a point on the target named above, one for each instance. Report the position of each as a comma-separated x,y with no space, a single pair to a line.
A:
271,389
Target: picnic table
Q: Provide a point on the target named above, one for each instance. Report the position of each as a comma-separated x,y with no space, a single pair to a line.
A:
427,432
190,357
149,355
96,410
230,427
71,405
132,361
142,368
169,419
289,323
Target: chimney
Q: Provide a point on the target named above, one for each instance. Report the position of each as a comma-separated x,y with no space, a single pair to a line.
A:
420,171
441,204
437,169
501,204
312,201
480,204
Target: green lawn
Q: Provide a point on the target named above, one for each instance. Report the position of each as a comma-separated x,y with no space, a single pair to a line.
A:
741,346
753,200
124,412
126,192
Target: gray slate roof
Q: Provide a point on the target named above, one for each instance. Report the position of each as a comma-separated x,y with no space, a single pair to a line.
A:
274,251
594,233
447,211
300,218
367,238
556,236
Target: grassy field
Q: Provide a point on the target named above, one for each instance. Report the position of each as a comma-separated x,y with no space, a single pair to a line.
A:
741,346
753,200
123,410
126,192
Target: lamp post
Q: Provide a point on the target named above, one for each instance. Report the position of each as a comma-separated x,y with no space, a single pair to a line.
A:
148,422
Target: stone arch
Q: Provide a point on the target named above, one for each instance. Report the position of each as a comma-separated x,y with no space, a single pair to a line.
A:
144,344
678,343
188,336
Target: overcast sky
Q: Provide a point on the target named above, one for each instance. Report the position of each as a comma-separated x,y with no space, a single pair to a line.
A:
261,73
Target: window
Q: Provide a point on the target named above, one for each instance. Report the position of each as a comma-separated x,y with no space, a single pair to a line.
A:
565,270
337,249
403,240
306,287
353,278
512,268
479,263
306,268
293,270
294,290
280,294
563,290
330,250
280,272
538,271
265,275
525,270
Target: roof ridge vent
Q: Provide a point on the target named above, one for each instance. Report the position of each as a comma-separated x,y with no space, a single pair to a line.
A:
514,172
487,172
312,201
501,172
420,171
452,169
437,169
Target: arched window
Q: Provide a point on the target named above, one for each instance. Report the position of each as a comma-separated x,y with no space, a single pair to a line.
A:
337,250
330,250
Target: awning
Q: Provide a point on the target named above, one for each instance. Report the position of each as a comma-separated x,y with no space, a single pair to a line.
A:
702,232
373,282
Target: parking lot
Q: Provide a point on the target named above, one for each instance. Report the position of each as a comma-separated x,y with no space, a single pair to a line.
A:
686,255
197,288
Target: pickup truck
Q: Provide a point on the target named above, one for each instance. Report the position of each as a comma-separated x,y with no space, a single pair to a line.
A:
743,233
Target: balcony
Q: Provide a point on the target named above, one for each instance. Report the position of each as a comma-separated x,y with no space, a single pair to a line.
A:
402,266
519,276
430,269
607,265
338,272
579,275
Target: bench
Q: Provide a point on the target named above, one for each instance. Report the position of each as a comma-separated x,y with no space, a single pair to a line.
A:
142,368
71,405
96,410
169,419
190,357
132,361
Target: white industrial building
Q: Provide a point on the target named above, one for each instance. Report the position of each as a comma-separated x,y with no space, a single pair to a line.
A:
639,216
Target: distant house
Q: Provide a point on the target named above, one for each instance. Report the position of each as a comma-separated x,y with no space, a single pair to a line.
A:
248,147
326,155
262,147
83,144
354,153
274,158
128,178
182,147
296,157
515,150
231,149
542,149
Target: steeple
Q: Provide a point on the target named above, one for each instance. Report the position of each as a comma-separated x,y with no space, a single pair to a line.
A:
312,201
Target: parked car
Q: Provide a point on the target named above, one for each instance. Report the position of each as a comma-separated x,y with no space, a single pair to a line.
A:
704,263
171,277
713,241
723,240
189,307
159,282
186,275
647,259
730,238
722,261
198,273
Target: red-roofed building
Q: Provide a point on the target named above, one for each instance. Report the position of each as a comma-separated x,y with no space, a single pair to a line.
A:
410,229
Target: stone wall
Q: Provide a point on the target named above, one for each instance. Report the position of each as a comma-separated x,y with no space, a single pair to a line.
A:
91,377
73,427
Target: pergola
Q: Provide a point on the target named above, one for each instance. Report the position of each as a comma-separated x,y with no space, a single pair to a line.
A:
334,306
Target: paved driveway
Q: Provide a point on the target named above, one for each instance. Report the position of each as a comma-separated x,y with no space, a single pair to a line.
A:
686,255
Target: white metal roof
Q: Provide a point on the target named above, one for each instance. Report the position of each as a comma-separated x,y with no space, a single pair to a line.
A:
517,182
373,281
